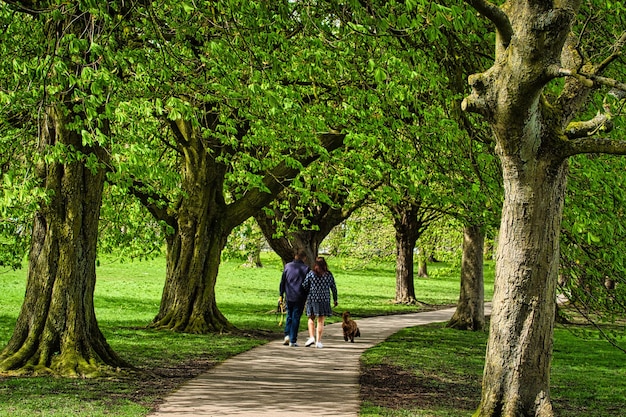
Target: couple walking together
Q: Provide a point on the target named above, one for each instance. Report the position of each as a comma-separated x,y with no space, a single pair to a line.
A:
299,285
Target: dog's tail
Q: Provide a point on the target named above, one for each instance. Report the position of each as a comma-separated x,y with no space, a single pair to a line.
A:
358,333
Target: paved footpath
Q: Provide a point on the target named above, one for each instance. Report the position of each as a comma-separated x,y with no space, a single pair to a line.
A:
274,379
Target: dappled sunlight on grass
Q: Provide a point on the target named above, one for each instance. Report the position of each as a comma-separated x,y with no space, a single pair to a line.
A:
127,298
148,347
588,375
58,397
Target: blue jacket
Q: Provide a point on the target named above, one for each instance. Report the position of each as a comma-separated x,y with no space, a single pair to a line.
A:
291,281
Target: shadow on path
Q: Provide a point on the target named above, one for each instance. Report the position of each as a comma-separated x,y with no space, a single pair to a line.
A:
274,379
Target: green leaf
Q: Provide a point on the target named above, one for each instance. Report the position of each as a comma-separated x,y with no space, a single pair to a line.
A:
380,75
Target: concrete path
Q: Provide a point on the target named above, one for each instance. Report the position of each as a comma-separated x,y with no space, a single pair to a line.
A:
274,379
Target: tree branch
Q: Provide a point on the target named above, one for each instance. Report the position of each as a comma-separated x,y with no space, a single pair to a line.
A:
588,80
584,129
597,145
617,51
608,82
32,8
151,200
496,16
476,102
277,179
181,128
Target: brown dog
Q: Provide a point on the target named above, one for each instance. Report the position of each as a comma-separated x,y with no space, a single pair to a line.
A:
350,329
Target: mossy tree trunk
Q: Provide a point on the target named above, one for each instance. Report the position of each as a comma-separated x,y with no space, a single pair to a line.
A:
188,302
201,222
517,367
535,134
285,245
56,330
470,310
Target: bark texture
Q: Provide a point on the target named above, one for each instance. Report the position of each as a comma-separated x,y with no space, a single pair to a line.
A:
188,301
285,245
470,310
56,331
532,148
517,369
201,222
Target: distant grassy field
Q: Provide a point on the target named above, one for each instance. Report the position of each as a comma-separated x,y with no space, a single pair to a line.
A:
128,295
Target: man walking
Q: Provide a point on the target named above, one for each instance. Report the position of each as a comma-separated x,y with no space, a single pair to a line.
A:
295,296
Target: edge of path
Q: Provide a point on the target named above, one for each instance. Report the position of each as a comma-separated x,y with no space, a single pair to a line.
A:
274,379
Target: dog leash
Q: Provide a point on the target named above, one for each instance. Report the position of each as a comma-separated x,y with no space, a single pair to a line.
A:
280,309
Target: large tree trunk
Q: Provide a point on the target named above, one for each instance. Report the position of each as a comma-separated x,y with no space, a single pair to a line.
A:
309,241
410,220
322,215
201,223
533,142
405,284
188,302
470,310
517,369
57,331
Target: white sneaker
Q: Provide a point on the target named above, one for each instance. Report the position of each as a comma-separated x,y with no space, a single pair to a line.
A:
294,345
319,345
286,341
309,341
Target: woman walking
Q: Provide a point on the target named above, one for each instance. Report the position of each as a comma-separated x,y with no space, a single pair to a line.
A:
319,283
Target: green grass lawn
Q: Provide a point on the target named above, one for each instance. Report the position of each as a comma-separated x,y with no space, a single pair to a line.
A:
439,371
128,295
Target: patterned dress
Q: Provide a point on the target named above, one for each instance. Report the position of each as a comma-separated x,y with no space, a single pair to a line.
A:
319,288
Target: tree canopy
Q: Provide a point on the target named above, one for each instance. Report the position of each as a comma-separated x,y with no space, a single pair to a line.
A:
204,113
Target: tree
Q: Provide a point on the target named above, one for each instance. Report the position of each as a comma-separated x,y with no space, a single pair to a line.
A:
432,150
470,311
326,195
70,81
320,219
222,100
469,158
535,135
411,217
201,223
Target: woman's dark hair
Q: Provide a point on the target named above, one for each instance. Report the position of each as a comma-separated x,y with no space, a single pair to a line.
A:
320,267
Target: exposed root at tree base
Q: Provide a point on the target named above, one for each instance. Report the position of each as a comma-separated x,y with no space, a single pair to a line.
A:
414,302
